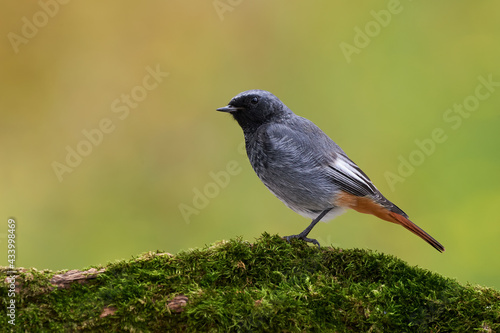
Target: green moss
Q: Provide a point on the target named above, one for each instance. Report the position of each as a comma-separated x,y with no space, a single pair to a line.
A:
269,285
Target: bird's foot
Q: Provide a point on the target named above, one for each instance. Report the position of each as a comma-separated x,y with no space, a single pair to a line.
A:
304,238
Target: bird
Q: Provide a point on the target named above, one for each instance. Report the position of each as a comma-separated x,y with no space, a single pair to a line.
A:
306,169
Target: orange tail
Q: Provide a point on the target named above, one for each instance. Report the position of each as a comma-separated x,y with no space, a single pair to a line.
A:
400,219
367,205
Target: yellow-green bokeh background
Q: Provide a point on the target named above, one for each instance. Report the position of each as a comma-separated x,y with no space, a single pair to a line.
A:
124,198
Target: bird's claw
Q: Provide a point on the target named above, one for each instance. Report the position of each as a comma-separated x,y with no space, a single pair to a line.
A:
304,238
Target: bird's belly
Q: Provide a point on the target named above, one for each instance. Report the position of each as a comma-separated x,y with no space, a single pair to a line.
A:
298,182
336,211
308,202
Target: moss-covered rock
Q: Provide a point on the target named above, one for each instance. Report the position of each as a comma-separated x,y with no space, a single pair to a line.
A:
235,285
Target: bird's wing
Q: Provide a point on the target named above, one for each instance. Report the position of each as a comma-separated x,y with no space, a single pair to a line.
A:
301,143
312,146
349,177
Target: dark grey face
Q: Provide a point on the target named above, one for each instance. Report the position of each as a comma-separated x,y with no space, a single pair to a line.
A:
253,108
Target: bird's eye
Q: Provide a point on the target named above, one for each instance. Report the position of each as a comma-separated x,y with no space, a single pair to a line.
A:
255,100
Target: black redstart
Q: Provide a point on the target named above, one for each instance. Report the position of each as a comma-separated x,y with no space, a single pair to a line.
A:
305,169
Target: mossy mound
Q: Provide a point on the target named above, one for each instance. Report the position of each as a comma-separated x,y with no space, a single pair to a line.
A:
238,286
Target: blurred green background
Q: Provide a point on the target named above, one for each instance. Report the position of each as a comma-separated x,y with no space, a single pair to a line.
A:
66,67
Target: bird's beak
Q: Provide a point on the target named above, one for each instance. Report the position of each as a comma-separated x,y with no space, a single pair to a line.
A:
229,109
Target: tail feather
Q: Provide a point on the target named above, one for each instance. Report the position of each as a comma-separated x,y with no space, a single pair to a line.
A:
392,214
405,222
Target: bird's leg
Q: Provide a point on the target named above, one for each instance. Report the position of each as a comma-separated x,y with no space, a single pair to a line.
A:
303,234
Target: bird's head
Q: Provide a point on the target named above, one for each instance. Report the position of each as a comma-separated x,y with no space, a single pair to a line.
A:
253,108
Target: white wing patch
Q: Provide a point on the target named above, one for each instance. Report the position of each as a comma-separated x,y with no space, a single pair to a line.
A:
346,167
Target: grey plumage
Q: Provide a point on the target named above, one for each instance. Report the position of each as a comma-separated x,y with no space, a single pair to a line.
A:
301,165
295,159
